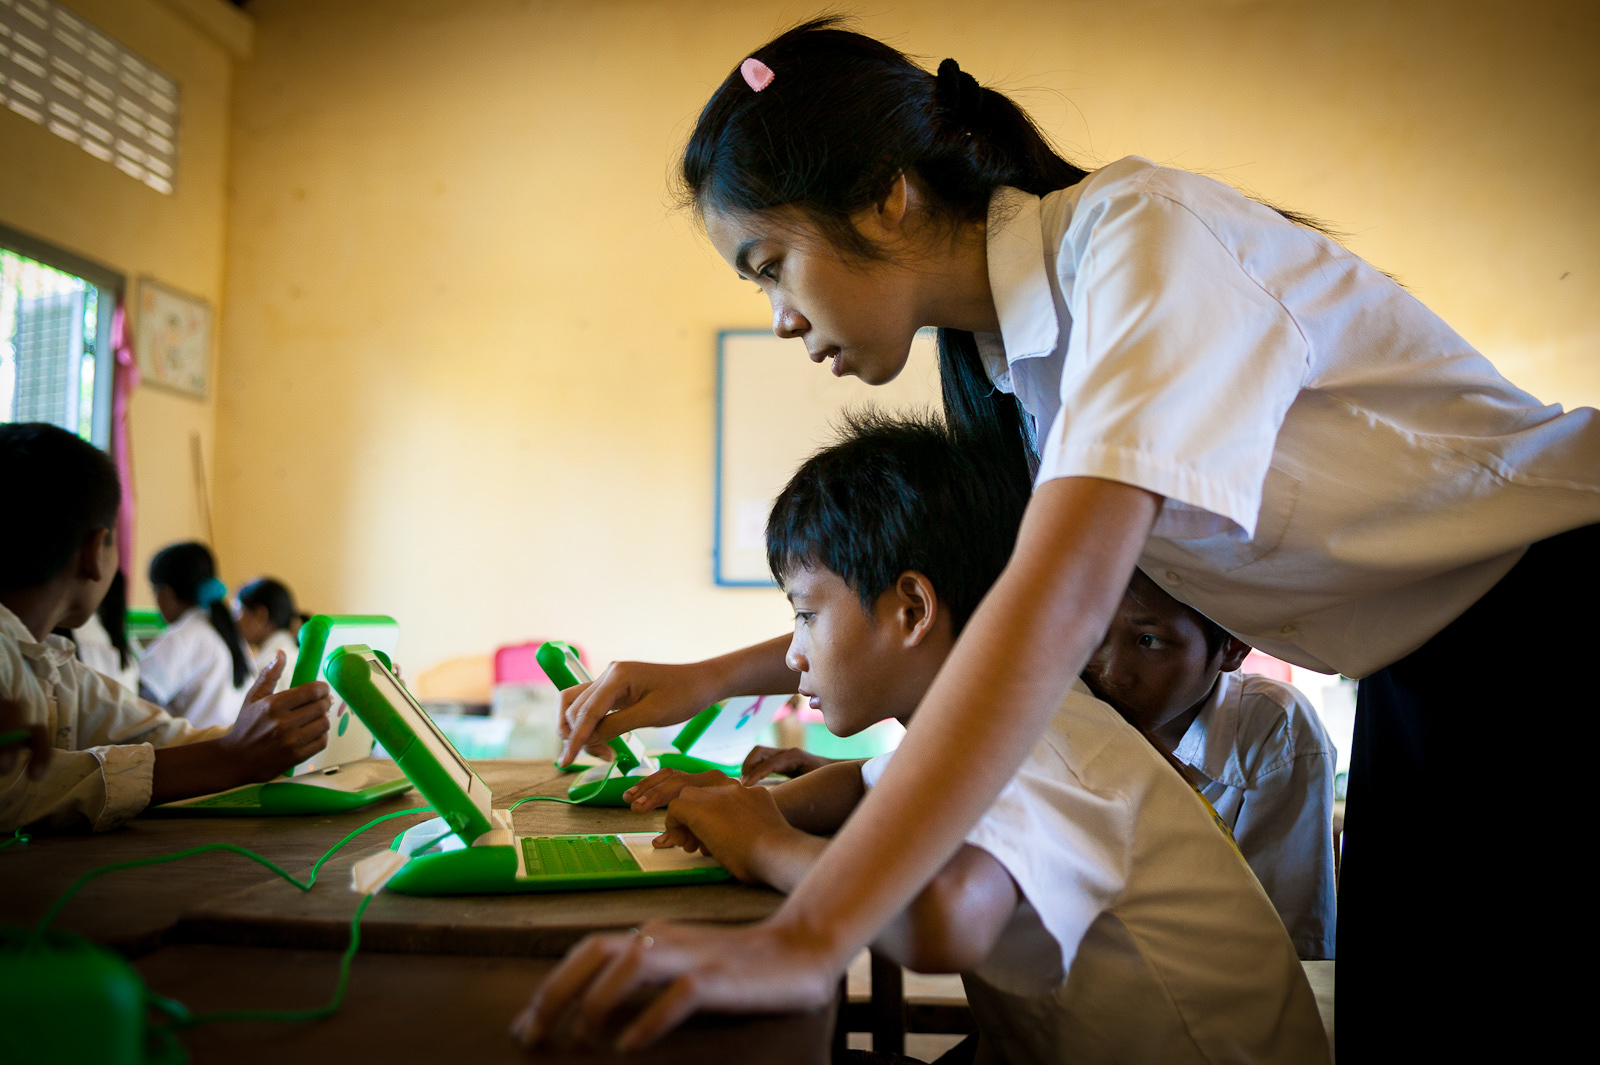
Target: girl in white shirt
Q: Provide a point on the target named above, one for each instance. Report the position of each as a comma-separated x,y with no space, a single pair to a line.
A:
198,667
268,620
1275,431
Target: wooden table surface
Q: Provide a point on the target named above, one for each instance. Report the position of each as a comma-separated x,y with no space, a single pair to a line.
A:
403,1008
436,978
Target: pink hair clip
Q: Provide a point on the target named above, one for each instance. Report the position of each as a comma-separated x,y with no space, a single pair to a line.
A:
757,74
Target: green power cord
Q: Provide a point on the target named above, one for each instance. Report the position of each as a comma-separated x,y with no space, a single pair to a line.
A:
176,1011
540,798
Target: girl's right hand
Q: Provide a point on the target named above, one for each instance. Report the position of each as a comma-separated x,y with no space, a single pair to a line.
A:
630,695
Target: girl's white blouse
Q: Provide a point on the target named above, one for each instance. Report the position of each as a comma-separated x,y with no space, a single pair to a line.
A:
1342,474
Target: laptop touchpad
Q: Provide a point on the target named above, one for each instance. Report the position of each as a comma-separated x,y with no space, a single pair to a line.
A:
654,860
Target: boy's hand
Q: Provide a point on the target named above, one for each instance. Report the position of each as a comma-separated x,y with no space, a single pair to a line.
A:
274,732
37,741
735,825
629,695
662,786
780,761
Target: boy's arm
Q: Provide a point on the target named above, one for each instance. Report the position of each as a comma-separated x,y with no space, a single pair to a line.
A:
1285,831
949,927
272,733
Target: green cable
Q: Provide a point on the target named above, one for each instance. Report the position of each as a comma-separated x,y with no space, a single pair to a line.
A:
17,836
316,1012
315,869
540,798
73,888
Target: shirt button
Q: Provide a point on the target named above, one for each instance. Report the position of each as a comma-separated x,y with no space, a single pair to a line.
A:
1287,629
1172,575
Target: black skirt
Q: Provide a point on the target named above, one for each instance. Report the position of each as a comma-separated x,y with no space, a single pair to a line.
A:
1467,891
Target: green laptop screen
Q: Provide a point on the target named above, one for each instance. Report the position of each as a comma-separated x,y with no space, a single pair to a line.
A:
428,733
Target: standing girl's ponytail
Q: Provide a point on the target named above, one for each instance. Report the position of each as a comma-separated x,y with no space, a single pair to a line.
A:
838,118
190,571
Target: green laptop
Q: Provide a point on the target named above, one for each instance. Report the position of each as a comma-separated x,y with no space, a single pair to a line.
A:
603,783
343,776
470,849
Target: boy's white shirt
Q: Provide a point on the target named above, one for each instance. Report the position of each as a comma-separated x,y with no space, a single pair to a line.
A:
104,736
1142,935
188,670
1268,766
1342,474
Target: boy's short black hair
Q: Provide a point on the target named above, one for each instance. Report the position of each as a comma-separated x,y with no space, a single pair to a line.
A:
57,490
897,493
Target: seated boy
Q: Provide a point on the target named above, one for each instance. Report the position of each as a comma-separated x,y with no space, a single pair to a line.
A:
114,754
1254,747
1096,913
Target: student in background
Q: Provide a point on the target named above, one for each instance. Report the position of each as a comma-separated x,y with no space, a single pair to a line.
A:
197,668
102,641
98,753
1253,746
268,620
1096,913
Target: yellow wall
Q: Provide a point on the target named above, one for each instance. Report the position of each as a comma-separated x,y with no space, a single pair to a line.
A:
467,370
58,192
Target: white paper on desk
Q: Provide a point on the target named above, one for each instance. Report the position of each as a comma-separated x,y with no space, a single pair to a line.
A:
370,874
656,860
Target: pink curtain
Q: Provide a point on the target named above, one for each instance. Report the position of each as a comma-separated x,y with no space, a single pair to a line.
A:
123,382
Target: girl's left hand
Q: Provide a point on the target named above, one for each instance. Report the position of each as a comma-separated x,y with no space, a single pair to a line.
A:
762,968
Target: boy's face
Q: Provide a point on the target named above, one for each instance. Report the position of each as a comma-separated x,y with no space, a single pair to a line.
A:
1154,664
860,668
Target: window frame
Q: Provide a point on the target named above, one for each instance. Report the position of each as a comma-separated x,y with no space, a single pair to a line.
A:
111,284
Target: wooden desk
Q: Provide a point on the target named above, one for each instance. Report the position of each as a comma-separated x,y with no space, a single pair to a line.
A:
403,1008
274,913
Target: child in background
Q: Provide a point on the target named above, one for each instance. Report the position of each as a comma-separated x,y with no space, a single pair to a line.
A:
197,668
1096,913
268,620
109,753
102,641
1253,746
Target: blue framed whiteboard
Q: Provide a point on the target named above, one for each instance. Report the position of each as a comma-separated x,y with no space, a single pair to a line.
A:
774,408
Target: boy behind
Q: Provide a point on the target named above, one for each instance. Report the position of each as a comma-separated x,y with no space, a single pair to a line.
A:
113,754
1095,912
1254,747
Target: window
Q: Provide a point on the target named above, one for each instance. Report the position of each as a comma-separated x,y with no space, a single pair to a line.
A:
55,339
61,72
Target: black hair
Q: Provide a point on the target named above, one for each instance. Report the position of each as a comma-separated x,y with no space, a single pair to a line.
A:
898,493
58,490
844,116
113,614
275,596
188,569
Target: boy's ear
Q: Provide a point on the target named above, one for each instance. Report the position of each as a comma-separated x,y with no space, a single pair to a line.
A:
1233,654
91,556
916,606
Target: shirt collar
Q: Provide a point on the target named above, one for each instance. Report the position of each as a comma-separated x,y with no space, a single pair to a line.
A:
1210,744
54,650
1018,276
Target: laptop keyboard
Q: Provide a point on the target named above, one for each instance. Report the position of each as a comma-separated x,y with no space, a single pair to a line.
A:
549,855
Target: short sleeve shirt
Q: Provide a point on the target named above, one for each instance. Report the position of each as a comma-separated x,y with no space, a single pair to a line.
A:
1342,474
1267,767
1142,935
189,671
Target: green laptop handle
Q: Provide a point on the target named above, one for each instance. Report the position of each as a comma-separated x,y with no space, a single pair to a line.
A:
351,676
314,633
555,657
